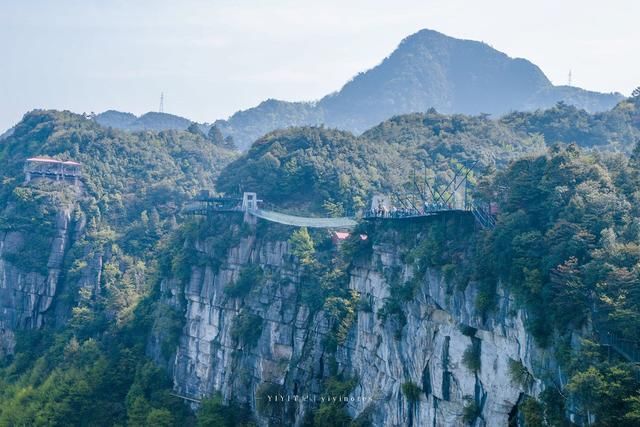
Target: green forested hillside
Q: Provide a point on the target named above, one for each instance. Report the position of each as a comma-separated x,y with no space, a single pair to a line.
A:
87,366
313,167
337,167
617,129
567,194
116,165
152,121
566,243
566,246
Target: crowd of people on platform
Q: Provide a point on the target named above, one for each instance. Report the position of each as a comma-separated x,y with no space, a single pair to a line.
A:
382,211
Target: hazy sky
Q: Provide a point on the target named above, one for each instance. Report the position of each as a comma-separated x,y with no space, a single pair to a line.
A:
212,58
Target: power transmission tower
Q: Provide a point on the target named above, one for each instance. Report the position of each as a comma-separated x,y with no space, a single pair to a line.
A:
162,102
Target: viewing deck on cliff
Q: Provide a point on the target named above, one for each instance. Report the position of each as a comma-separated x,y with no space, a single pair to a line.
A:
42,167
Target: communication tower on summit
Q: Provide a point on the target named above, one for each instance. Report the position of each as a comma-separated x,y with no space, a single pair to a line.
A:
161,110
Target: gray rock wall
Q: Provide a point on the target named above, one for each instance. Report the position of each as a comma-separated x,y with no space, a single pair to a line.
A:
25,296
290,352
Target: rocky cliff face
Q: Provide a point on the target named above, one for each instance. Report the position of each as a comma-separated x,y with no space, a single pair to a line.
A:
460,362
27,295
209,358
445,364
436,351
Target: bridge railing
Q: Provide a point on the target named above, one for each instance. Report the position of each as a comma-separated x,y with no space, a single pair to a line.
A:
625,347
403,213
204,207
483,216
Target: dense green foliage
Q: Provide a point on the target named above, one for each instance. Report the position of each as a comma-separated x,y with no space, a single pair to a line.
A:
250,277
94,370
411,391
33,212
567,240
616,129
314,164
566,247
158,168
318,169
471,356
246,328
519,373
66,378
333,414
330,171
214,413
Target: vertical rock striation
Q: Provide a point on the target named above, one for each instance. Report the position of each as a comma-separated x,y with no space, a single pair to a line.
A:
442,326
459,359
25,296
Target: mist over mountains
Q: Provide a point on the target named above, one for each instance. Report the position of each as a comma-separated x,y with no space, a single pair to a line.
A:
427,70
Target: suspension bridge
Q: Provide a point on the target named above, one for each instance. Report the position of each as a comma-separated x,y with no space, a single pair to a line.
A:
380,211
205,205
424,201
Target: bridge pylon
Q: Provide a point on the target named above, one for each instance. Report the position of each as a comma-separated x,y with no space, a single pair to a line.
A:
249,201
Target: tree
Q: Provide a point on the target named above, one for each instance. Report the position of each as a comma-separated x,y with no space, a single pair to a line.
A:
160,418
411,391
138,412
570,296
229,143
214,413
302,246
634,413
533,412
194,128
214,135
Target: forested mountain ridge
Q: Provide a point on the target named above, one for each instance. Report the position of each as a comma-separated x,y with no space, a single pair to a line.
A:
342,168
315,165
431,70
147,302
113,161
77,260
427,70
564,249
149,121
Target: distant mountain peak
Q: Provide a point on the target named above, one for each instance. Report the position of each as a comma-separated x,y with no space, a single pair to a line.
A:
427,70
430,69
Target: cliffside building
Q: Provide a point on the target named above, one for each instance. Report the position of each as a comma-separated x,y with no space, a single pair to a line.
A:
40,167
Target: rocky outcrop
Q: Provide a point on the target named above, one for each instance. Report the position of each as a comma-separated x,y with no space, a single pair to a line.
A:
27,296
458,360
289,347
443,328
